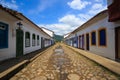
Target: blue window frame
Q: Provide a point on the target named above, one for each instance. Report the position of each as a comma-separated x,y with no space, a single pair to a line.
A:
102,37
3,35
93,38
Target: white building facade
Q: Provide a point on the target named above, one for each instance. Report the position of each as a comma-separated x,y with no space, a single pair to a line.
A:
99,36
19,35
51,34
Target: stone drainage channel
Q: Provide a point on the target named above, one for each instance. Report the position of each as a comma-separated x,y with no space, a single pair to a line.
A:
63,65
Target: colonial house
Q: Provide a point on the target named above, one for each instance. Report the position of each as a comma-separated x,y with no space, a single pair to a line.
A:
98,36
70,39
67,39
51,34
19,35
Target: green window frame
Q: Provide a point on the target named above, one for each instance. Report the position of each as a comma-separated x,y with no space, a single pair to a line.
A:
27,39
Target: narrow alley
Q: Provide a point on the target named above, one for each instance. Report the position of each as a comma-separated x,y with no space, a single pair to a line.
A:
63,63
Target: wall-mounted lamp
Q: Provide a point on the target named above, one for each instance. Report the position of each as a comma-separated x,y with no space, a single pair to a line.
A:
19,25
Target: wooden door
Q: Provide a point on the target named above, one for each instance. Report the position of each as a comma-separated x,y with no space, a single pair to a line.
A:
87,41
19,42
80,41
42,42
117,43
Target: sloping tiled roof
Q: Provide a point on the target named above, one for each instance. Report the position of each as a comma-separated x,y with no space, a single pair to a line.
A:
15,14
10,11
34,24
101,13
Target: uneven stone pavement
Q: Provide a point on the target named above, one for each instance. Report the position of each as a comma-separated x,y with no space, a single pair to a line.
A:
61,63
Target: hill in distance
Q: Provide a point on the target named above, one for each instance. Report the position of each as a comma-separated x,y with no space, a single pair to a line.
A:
58,38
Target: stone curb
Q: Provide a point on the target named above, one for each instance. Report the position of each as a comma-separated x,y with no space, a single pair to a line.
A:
40,53
107,63
13,70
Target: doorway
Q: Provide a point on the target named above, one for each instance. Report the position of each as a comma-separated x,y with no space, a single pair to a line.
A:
19,42
117,41
87,41
42,42
80,42
83,41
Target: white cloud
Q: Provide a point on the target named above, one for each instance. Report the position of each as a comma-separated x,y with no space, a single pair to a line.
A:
13,1
78,4
11,4
96,8
97,0
66,24
71,20
59,28
100,1
74,21
84,16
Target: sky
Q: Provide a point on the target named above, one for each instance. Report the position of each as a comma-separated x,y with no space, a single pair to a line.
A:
60,16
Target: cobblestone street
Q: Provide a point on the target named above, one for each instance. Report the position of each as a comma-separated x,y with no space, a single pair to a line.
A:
62,63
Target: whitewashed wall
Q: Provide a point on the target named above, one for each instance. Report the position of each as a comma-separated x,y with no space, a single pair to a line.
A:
47,43
109,50
71,36
9,52
31,30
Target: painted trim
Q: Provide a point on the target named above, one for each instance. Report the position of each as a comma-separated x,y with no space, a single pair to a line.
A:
103,28
92,39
